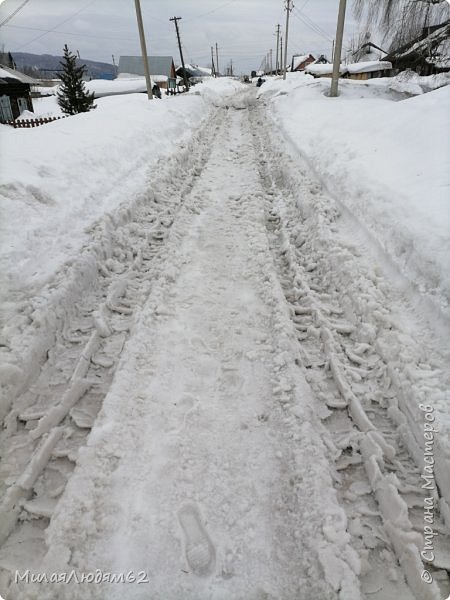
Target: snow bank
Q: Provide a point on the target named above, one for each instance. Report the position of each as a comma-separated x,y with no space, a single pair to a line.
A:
386,162
411,83
57,179
217,90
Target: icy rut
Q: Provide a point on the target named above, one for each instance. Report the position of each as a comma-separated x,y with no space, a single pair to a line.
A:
70,340
250,431
205,468
346,317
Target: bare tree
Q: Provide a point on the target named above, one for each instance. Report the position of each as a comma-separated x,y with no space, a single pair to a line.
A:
401,21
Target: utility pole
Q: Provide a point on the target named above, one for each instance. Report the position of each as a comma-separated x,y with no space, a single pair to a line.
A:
231,67
332,52
217,60
213,70
271,65
143,50
281,53
278,43
289,8
175,20
338,49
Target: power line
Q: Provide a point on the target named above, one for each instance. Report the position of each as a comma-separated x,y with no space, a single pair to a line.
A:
74,34
211,11
313,23
313,26
60,23
13,14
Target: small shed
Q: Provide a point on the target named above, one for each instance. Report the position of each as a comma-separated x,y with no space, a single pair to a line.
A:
300,62
15,93
369,69
194,73
162,69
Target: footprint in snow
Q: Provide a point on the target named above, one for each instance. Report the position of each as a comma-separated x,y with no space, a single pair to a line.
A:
199,550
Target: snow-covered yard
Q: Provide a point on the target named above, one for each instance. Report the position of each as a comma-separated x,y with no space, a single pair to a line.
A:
225,346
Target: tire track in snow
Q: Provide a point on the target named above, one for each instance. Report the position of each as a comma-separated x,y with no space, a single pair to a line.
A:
377,481
87,316
220,420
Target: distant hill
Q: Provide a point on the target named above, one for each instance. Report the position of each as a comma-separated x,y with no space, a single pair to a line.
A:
49,65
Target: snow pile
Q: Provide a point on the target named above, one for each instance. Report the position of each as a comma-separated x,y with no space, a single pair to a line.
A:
410,82
26,114
387,171
59,178
217,90
46,106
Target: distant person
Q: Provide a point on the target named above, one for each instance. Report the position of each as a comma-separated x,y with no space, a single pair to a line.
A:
156,91
259,82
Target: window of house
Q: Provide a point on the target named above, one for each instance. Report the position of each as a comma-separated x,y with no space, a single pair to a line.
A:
5,108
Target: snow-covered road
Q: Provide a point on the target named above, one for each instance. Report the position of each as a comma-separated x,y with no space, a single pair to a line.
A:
245,374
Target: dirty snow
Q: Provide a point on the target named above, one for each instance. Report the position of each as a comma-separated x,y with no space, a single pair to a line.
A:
216,361
392,176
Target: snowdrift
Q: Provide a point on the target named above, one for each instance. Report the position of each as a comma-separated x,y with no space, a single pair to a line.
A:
385,161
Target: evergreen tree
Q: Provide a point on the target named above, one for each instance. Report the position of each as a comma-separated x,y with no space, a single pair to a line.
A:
72,95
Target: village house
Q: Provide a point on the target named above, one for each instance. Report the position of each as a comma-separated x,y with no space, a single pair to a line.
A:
369,69
162,70
15,93
427,54
300,62
324,69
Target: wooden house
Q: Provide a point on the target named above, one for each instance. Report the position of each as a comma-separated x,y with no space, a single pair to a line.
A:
427,54
15,93
368,69
300,62
324,70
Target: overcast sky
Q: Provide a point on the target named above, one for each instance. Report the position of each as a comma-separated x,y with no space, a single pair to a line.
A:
243,29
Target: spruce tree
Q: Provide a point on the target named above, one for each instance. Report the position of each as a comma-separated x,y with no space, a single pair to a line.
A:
72,95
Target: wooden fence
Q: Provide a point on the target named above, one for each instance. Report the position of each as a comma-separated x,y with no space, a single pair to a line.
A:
26,123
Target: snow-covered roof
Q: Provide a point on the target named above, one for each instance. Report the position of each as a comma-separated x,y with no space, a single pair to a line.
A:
124,84
298,60
324,69
8,73
368,66
436,40
197,71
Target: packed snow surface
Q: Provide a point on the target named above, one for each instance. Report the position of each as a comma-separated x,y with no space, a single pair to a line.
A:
384,168
75,170
224,361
